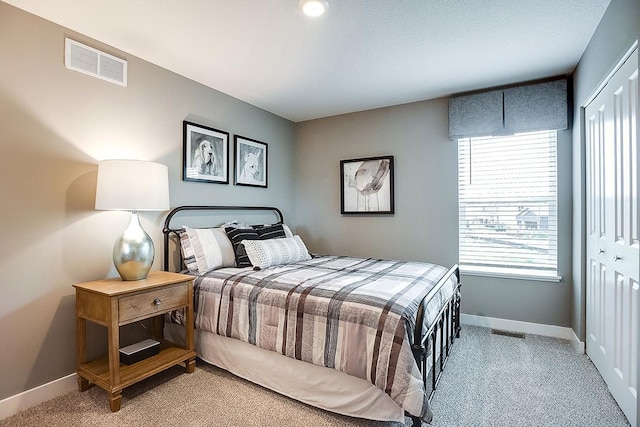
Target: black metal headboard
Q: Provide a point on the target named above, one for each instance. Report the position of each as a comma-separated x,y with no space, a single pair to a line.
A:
168,230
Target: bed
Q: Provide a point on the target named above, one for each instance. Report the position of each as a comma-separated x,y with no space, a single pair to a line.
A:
360,337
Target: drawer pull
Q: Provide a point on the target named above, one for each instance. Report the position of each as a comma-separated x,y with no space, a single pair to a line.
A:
157,301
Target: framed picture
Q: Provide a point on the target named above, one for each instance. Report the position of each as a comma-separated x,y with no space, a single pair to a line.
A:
251,162
206,154
367,185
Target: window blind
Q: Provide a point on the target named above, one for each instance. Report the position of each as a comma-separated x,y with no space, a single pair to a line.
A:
508,204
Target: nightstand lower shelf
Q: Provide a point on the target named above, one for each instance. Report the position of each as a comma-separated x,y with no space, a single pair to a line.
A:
97,371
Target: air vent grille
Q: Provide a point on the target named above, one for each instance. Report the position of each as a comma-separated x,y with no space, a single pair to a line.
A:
87,60
507,333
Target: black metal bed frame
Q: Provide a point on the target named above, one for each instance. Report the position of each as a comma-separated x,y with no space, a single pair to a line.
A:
446,324
445,328
167,230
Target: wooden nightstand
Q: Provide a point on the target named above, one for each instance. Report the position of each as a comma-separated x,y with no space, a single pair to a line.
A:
113,303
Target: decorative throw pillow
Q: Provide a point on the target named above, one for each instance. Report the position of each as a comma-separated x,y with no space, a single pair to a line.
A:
265,253
285,227
237,235
205,249
274,231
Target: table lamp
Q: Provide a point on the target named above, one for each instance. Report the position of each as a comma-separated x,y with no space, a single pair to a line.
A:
132,185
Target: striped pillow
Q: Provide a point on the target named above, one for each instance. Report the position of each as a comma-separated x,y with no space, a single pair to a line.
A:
265,253
205,249
238,235
285,227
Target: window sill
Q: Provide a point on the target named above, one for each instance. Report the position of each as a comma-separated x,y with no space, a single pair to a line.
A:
510,274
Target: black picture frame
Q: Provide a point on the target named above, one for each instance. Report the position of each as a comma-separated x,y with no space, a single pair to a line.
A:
251,162
205,154
366,186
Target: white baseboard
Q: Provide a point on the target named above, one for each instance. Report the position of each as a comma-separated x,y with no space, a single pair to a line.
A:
25,400
525,328
578,345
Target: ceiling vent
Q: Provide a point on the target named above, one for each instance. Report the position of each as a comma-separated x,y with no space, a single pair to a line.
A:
87,60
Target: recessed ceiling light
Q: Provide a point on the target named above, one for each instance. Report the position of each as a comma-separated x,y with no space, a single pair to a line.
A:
313,8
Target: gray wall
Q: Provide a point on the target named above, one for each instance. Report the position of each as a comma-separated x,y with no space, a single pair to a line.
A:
55,124
425,226
616,33
417,135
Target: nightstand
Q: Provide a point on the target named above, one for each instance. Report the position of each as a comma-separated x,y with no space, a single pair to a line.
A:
113,303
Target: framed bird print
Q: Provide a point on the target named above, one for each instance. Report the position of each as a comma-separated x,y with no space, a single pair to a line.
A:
367,186
206,154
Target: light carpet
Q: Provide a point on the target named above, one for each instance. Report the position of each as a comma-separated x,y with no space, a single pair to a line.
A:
490,380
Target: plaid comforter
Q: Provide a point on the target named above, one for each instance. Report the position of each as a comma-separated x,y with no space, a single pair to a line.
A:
351,314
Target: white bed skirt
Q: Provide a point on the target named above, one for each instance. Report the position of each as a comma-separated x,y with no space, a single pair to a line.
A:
314,385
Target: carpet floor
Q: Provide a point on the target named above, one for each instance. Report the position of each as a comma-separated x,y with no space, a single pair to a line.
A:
490,380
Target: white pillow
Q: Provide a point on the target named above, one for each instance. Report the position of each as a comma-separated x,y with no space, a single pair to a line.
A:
205,249
265,253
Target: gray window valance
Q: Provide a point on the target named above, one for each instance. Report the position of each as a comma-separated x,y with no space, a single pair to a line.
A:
528,108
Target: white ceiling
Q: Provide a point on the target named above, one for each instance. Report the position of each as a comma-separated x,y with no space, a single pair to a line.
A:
362,54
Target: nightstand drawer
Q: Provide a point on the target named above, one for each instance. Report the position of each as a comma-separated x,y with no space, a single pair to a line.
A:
157,301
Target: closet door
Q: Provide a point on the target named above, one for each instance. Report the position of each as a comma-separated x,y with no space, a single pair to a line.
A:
613,242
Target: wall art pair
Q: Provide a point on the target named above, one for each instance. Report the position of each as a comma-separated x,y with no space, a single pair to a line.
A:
206,157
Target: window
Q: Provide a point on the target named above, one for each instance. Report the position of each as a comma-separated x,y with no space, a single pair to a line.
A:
508,205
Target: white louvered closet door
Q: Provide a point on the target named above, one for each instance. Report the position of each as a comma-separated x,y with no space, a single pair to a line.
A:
613,241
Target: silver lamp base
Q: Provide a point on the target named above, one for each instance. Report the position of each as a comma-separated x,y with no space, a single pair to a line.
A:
133,252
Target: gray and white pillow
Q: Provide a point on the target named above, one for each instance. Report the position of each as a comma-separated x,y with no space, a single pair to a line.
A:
286,250
205,249
238,235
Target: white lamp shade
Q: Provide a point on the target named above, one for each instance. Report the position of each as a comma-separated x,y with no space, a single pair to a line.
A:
132,185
